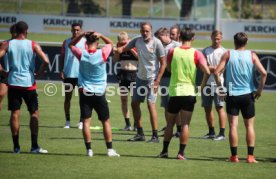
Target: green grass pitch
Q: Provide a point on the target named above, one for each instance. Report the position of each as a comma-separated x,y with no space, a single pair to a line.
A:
197,43
67,159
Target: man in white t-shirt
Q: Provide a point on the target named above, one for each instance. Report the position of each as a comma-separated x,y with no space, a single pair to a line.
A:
213,55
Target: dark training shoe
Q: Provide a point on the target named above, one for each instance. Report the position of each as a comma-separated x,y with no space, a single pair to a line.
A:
163,155
16,150
209,136
137,138
127,128
177,134
153,140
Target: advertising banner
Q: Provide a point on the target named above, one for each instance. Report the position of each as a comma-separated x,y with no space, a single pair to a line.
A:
53,71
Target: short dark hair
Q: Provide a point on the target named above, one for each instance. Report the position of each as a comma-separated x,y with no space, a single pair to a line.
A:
145,23
21,27
215,33
91,38
12,28
175,27
187,34
76,24
240,39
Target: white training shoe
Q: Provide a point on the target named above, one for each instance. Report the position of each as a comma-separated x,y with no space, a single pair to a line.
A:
80,125
112,153
39,151
89,153
219,137
67,125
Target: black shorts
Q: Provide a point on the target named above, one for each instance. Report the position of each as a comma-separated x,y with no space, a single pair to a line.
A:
186,103
15,97
245,103
70,83
3,79
90,101
126,77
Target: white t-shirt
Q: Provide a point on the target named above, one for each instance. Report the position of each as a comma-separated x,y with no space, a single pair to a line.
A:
213,57
148,54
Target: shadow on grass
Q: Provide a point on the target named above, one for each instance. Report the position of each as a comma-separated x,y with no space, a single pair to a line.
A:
243,159
169,158
29,153
93,139
40,126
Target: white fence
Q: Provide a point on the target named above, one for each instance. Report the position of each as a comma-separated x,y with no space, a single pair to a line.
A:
257,31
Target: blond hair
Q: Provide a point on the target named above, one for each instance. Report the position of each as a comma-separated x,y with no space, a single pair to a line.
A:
122,35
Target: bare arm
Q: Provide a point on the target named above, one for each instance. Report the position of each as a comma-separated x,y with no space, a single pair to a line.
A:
162,68
169,59
122,49
212,68
76,39
220,68
134,52
3,49
104,38
61,59
43,57
263,73
116,55
205,69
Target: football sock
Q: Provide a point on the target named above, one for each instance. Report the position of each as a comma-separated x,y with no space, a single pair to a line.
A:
108,145
155,133
67,116
178,128
88,145
127,121
211,131
221,131
234,150
34,141
15,139
140,131
181,149
250,150
165,146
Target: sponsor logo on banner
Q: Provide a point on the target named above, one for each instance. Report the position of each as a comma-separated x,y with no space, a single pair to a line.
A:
59,24
7,21
269,63
201,29
260,31
52,73
130,27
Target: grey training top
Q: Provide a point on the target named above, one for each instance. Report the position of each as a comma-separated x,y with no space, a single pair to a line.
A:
148,54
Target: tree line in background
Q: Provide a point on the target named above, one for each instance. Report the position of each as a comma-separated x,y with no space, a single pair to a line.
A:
89,7
244,9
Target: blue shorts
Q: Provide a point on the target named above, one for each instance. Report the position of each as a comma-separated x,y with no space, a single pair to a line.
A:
142,89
